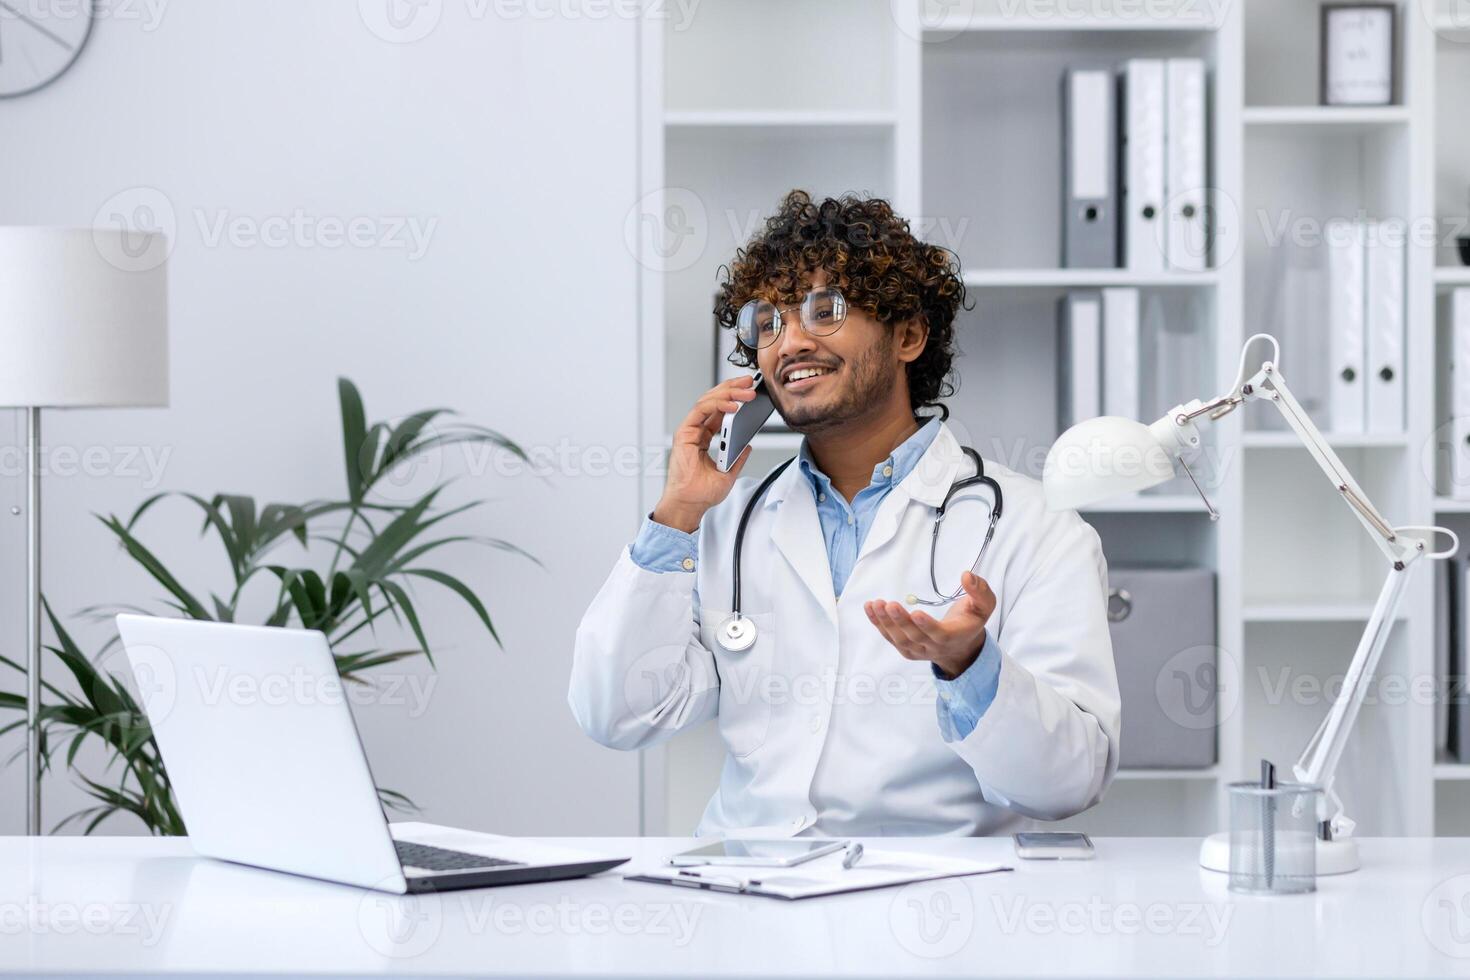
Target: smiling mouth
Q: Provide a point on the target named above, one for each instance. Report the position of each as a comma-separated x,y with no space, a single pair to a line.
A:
804,378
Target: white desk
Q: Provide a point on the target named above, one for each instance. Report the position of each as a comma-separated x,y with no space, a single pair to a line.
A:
136,905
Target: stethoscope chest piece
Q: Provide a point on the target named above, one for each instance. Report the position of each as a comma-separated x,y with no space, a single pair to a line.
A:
737,634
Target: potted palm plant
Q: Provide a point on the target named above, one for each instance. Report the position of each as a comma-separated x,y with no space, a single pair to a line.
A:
359,557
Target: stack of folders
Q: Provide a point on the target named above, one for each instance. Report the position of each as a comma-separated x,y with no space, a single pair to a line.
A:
1135,166
1459,427
1452,658
1365,323
1097,355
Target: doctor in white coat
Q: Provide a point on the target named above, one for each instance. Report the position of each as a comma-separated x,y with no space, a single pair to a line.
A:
854,713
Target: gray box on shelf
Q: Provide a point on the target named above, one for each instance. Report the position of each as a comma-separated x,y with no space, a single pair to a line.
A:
1162,622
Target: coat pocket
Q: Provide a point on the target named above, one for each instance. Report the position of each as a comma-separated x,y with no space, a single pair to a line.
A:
745,681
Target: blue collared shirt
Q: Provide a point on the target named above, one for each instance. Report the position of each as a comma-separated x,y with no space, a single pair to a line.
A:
962,701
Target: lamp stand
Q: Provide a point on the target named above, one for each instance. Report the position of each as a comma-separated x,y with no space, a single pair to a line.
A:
1334,857
33,621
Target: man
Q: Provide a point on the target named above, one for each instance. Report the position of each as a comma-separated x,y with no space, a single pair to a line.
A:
853,713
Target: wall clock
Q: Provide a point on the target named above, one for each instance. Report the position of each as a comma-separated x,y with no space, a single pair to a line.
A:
39,41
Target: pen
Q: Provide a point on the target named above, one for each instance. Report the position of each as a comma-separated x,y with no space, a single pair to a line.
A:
852,857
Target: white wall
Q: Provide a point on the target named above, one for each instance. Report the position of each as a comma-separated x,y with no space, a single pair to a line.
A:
516,137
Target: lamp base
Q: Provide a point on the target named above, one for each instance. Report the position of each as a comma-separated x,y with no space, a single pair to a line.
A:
1334,857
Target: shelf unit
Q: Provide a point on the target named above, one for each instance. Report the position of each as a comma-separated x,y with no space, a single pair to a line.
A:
1448,176
1081,278
1310,612
956,120
1338,440
1319,115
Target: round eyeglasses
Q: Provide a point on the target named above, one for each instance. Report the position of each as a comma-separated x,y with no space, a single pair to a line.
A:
823,312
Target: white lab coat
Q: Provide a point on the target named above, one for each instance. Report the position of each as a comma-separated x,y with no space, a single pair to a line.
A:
828,729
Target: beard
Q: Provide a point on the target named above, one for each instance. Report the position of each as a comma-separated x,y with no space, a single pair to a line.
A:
869,383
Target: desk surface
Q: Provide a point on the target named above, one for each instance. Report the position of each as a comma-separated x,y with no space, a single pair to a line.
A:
137,905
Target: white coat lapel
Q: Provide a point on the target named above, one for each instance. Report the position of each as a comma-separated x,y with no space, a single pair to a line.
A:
797,534
926,483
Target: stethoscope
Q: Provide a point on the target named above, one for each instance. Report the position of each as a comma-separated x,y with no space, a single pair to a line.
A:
737,633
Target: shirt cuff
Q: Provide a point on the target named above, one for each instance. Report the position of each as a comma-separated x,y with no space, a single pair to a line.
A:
964,700
660,548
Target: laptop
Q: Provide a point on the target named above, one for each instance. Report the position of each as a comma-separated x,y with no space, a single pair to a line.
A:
268,770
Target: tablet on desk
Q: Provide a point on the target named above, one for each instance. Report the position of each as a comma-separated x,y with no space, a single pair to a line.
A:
777,853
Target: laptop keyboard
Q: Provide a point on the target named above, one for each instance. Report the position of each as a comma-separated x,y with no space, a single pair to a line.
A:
443,859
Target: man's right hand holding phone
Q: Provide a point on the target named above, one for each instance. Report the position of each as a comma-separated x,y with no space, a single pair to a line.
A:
695,483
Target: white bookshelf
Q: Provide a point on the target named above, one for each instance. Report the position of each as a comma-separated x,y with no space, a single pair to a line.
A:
1447,173
1450,772
758,118
1149,503
956,119
1315,115
1081,278
1338,440
1341,611
1206,774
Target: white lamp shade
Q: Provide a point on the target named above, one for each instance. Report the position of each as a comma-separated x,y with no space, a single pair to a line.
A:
83,318
1103,458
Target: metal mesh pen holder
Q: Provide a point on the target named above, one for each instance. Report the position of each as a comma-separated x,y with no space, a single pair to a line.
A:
1273,838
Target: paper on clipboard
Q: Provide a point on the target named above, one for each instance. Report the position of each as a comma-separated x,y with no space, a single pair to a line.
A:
824,876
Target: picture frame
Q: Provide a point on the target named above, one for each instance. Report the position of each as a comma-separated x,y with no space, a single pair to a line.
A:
1359,54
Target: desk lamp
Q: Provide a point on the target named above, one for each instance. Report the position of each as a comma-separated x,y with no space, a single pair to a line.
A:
83,324
1108,456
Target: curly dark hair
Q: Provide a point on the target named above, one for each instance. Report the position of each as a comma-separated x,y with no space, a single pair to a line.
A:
868,252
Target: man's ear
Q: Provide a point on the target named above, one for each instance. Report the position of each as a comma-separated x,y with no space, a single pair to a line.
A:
909,339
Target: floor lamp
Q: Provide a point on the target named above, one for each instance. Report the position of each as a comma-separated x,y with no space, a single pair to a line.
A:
83,324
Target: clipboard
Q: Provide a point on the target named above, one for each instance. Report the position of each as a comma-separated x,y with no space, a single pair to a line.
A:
824,876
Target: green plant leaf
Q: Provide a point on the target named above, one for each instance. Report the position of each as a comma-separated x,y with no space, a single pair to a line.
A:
144,507
463,591
394,800
354,434
400,599
156,568
349,665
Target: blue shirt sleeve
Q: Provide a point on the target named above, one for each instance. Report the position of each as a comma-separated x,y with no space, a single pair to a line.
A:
964,700
660,548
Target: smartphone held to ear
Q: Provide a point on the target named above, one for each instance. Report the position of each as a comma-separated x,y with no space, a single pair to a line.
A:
741,425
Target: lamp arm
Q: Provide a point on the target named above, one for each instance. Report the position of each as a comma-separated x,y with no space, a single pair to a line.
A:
1267,383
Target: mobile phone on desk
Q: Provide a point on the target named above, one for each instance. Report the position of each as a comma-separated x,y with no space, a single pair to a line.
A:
1053,846
741,425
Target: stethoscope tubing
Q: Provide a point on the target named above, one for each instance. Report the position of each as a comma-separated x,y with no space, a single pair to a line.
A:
737,633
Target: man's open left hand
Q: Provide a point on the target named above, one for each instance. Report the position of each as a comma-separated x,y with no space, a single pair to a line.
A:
951,643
